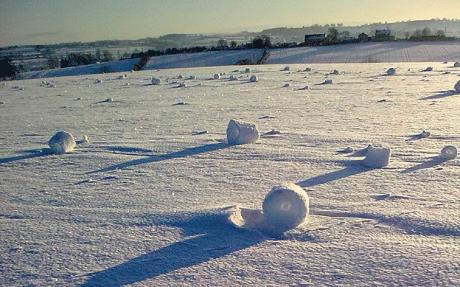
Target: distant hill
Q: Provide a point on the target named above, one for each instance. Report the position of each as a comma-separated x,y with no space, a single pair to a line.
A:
280,34
284,34
399,29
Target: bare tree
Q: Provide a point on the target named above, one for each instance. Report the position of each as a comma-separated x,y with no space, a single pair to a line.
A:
441,33
426,32
222,43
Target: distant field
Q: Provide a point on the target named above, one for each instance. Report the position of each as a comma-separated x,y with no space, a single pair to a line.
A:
370,53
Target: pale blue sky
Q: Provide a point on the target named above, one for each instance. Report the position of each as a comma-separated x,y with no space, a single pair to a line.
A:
52,21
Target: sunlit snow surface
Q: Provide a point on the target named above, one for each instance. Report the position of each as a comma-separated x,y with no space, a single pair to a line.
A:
144,203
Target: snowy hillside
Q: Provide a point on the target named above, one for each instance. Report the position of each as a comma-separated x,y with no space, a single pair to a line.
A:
370,53
205,59
110,67
143,203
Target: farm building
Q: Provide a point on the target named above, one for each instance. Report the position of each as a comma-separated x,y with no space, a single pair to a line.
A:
363,37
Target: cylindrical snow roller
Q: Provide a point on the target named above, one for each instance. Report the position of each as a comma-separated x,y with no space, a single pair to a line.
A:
156,81
457,87
285,207
391,71
449,152
241,133
377,157
62,142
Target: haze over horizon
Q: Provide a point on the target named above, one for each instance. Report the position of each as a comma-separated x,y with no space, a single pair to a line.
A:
52,21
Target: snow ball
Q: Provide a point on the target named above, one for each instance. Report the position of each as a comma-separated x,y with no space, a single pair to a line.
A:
377,157
155,81
247,70
457,65
216,76
285,207
241,133
391,71
327,82
457,87
253,79
62,142
449,152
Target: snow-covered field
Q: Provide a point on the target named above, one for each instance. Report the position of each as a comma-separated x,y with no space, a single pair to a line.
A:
144,202
370,53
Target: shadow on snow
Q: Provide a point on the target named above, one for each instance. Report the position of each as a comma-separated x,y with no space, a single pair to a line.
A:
178,154
28,154
441,95
210,236
352,167
432,162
